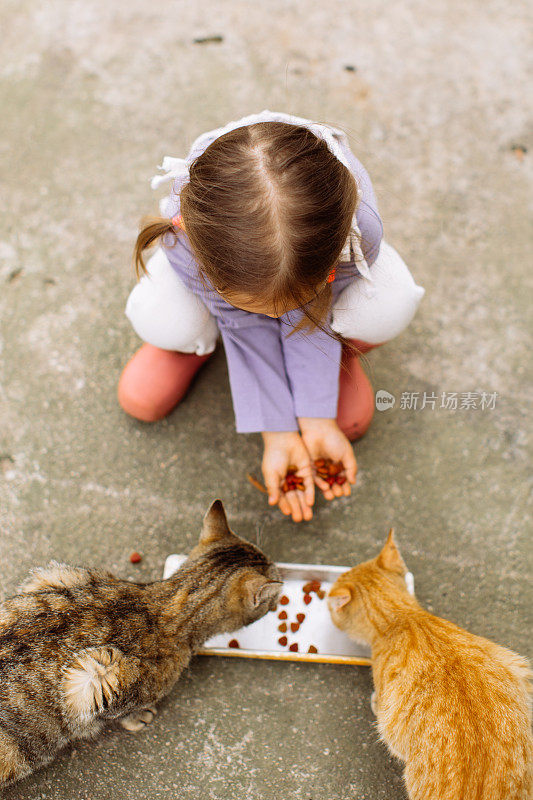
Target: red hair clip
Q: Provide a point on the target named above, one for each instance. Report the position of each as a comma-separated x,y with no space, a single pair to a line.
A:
331,276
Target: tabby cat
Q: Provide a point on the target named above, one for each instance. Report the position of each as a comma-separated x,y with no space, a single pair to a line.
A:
79,647
455,707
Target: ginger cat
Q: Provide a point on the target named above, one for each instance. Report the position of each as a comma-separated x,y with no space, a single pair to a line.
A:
80,647
454,706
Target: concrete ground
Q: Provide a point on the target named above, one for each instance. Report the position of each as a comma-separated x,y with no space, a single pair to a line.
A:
435,102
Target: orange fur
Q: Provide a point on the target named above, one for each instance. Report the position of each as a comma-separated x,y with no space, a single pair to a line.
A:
454,706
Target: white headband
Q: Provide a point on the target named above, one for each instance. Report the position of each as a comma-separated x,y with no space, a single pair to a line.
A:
177,169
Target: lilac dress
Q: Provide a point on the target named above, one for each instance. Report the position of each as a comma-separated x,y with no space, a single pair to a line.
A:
276,378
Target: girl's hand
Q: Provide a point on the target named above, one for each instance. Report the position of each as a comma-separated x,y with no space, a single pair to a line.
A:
324,439
281,450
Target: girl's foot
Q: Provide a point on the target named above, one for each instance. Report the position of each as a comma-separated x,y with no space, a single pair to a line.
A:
356,396
154,381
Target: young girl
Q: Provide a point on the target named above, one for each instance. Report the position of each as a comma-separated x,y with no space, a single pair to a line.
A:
270,236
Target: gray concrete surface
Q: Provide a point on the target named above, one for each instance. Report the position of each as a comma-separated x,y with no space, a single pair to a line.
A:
93,95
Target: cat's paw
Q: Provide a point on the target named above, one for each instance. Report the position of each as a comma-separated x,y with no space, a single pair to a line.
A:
91,681
374,703
138,719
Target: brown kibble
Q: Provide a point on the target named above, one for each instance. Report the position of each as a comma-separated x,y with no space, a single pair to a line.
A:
321,594
300,618
312,649
135,558
330,471
292,482
306,588
282,640
282,615
284,600
293,648
307,599
315,586
283,627
233,643
294,627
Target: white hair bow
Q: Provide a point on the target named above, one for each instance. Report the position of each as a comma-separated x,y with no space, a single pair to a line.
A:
174,168
177,169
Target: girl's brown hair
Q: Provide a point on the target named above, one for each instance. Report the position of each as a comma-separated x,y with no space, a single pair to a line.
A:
267,211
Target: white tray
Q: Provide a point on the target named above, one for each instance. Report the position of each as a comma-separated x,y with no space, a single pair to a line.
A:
260,640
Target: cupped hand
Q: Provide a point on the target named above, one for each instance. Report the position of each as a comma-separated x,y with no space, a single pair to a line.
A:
324,439
284,449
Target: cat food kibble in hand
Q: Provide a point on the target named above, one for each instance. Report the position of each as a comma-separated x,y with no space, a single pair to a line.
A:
135,558
300,618
282,640
284,600
294,626
293,648
283,627
312,649
330,471
282,615
321,594
292,481
307,599
233,643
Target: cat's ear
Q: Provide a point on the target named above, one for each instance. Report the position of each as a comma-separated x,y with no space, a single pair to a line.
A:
215,526
260,589
390,558
339,597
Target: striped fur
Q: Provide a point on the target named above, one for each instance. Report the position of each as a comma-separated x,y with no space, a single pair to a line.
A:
455,707
80,647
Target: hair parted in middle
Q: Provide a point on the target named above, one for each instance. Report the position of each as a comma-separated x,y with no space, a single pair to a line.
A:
267,210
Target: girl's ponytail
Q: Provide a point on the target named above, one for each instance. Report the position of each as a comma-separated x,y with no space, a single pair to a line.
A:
153,228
